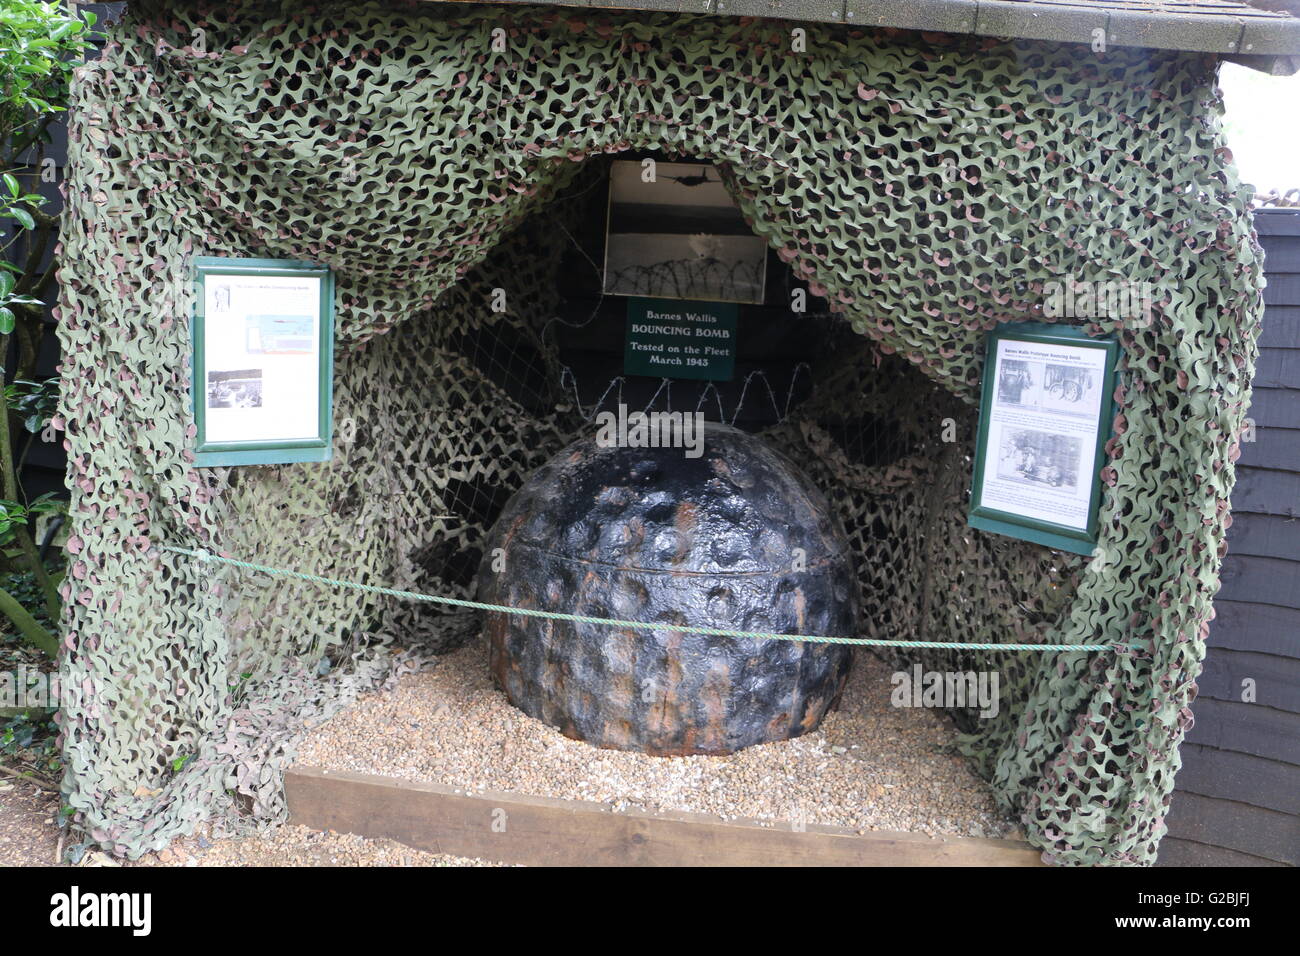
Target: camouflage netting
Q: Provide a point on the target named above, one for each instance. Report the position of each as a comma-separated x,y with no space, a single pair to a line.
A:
928,186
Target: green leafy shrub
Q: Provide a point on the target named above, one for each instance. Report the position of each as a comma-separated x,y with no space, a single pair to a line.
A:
40,44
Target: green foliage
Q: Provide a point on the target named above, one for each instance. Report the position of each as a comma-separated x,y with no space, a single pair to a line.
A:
30,731
9,298
15,515
28,737
35,403
29,742
27,591
40,45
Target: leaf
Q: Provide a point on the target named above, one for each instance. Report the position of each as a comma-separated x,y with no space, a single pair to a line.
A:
12,183
6,320
6,284
24,217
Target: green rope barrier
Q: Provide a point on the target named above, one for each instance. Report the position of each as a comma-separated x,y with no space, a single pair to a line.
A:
202,555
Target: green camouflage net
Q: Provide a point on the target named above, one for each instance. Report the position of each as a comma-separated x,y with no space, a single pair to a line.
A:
927,186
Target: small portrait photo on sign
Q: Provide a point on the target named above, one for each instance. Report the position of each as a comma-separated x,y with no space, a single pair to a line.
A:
220,298
674,232
1015,383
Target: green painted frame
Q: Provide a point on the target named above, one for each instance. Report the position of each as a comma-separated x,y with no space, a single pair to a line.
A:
263,452
1061,537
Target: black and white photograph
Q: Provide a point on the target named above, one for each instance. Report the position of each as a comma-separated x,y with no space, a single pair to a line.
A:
1015,382
1039,458
1070,389
680,236
240,388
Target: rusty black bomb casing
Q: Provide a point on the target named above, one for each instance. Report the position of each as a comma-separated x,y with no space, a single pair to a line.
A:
737,538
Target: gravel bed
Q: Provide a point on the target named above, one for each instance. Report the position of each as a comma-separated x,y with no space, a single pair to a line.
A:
298,846
29,837
870,766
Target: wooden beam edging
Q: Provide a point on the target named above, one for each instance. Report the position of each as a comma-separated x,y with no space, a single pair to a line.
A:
543,831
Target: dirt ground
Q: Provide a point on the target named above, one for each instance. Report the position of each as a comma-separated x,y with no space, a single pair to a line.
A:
28,836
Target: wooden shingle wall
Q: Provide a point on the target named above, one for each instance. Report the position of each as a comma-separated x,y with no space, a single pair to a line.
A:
1237,799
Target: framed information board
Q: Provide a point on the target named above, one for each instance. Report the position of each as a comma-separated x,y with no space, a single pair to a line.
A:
1045,418
263,362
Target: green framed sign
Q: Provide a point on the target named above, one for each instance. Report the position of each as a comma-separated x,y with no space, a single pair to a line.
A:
668,338
263,362
1045,417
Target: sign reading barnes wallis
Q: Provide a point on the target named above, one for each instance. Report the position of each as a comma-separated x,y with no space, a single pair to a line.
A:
671,338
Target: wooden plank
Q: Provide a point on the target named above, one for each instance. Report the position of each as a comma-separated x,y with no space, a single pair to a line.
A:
1265,536
1261,580
1276,222
1279,367
1178,852
1283,289
1261,491
1273,448
540,831
1246,728
1267,629
1282,255
1223,28
1276,407
1276,679
1235,826
1281,329
1229,775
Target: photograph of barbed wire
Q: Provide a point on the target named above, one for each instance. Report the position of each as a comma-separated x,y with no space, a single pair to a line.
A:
675,233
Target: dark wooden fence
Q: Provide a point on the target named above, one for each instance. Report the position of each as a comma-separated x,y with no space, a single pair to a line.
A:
1237,800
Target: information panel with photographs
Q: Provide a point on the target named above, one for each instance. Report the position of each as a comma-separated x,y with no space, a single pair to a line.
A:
674,232
1045,418
263,361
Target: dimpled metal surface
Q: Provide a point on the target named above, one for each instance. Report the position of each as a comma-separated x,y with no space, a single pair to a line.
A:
737,538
